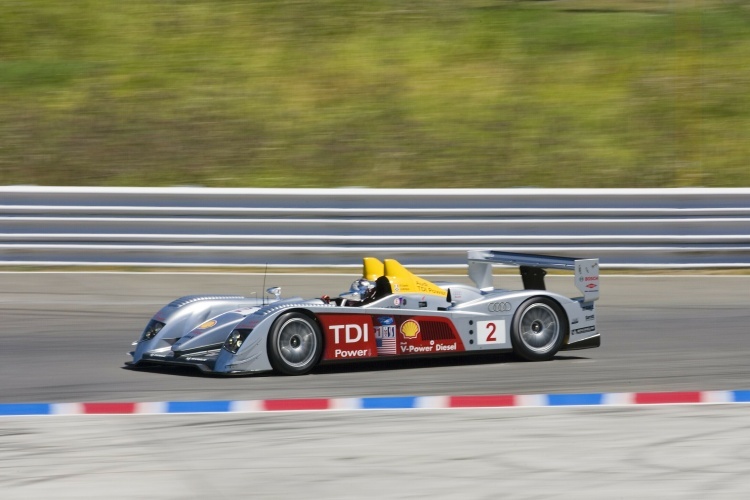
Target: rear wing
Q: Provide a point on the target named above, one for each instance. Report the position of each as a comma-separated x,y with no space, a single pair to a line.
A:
532,270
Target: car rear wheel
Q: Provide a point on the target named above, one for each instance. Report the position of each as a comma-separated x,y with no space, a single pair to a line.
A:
295,344
538,329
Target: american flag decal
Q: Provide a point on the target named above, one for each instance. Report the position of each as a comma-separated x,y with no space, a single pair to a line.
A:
385,338
386,346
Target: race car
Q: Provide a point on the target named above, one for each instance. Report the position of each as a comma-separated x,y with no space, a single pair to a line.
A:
387,313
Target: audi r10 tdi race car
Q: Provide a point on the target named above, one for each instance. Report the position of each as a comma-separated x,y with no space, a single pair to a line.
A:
389,312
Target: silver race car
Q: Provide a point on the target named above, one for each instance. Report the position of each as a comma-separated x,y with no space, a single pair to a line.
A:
389,312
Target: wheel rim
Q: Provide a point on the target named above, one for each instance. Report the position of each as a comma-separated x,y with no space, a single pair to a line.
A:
297,342
540,328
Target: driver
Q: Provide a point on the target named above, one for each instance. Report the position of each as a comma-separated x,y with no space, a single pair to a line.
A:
360,291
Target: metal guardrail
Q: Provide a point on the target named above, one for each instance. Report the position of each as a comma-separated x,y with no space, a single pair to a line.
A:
434,227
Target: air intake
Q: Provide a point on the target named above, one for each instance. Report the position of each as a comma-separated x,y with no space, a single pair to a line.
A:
435,330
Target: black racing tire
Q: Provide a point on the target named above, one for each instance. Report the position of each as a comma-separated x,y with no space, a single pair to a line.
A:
295,344
539,329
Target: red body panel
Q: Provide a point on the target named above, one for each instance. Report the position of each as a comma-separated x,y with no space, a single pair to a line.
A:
427,335
348,336
370,335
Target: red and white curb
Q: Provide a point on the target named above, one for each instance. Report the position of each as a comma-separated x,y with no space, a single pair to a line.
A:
377,403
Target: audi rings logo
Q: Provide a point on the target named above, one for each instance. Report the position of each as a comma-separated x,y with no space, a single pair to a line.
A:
497,307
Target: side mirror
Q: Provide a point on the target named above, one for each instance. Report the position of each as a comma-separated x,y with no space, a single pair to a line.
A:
275,291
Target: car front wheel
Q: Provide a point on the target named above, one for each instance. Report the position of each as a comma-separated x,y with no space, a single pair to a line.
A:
295,344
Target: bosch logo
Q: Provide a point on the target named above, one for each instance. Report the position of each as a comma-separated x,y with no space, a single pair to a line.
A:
499,307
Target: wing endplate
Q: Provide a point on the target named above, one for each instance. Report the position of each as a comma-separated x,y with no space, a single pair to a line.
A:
587,278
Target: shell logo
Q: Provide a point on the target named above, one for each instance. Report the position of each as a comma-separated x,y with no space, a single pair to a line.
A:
207,324
409,329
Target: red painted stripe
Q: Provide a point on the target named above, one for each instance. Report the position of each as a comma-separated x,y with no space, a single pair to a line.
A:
295,404
481,401
108,408
656,398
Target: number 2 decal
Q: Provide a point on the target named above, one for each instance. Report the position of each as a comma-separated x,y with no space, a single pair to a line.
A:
491,327
491,332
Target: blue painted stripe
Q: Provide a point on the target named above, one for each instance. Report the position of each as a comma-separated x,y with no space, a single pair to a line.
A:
198,406
25,409
574,399
389,403
741,396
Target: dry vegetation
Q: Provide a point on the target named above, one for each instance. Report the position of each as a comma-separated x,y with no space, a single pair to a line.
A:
574,93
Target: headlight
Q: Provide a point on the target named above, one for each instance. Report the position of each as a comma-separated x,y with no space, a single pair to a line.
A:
235,340
152,329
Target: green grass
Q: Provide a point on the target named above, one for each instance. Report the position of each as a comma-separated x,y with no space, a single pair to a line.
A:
383,93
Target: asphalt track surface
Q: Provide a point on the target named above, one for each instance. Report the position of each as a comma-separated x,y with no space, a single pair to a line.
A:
63,338
676,452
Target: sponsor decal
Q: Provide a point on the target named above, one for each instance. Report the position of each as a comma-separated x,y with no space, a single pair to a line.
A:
385,332
413,349
396,288
584,330
206,324
423,304
591,285
385,335
574,322
351,353
592,278
385,320
590,317
396,301
446,347
348,335
409,329
499,307
491,332
433,346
